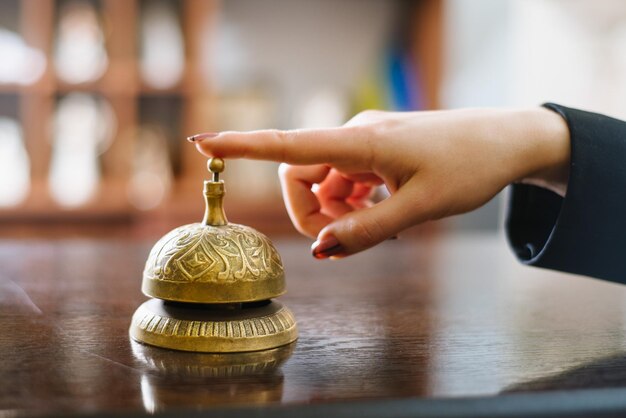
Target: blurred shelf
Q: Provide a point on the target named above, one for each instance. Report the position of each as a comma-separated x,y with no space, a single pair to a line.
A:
11,88
122,86
104,86
109,203
35,88
192,108
176,90
54,215
96,87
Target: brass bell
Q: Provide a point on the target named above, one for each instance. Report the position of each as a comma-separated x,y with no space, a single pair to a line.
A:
213,282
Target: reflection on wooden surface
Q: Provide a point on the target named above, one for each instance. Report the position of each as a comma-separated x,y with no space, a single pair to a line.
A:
447,317
200,380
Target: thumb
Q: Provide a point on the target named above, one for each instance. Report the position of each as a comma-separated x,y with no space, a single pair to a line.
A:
364,228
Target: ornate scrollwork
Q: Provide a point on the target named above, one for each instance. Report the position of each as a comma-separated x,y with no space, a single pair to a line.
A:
273,324
205,253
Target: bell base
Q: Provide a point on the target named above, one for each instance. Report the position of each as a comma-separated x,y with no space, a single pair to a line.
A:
213,328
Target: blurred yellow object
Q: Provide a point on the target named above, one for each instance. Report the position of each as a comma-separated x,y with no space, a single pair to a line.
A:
370,94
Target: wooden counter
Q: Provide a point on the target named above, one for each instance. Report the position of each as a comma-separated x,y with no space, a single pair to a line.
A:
451,326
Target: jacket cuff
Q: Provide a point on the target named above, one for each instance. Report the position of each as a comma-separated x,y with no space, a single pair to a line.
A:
584,232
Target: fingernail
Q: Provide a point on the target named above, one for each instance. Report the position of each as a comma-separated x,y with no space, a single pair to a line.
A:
200,137
326,247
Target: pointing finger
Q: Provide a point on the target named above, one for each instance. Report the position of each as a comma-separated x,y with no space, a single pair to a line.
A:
301,147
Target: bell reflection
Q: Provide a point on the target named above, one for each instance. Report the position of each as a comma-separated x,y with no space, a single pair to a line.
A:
195,380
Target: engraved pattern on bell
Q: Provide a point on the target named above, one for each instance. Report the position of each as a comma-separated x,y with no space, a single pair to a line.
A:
205,253
276,323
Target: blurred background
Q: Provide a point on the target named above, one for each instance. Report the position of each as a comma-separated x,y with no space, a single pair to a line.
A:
97,96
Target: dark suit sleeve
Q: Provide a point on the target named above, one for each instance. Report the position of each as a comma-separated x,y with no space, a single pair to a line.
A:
584,232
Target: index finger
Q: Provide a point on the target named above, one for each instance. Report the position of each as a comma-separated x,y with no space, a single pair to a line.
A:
300,146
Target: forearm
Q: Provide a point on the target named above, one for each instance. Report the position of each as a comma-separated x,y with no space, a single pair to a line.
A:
549,164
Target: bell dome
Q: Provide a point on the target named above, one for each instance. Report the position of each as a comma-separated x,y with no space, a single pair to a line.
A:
214,264
214,261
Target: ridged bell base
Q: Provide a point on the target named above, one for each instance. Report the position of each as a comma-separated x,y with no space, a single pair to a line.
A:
214,328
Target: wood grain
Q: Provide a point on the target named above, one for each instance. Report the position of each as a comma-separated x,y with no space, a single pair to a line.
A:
447,317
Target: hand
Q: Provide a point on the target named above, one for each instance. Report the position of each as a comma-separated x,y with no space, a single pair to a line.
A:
434,164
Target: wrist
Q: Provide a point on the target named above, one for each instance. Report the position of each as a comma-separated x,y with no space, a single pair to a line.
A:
549,162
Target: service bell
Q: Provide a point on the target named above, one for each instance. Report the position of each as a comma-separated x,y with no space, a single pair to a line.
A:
213,283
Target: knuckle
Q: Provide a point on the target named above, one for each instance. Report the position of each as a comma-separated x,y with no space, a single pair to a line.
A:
285,137
284,141
383,128
306,230
366,116
371,113
285,170
303,227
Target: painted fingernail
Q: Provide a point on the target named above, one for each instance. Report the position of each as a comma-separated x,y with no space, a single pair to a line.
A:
326,247
200,137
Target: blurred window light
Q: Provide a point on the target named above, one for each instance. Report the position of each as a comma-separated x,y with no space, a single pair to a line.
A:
330,45
80,55
20,63
323,108
552,38
14,164
83,129
152,171
162,48
226,60
525,52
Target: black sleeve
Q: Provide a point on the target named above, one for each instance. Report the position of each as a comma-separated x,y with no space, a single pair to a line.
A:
584,232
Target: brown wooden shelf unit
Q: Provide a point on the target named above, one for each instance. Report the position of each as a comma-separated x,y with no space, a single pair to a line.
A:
122,88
